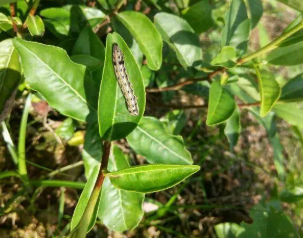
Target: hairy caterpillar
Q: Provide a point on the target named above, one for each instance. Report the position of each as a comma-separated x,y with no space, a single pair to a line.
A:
123,81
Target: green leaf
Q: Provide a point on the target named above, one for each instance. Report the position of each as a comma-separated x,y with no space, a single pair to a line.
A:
221,105
58,21
35,25
84,198
287,55
66,129
290,112
151,178
292,195
199,16
174,121
278,155
119,210
48,69
115,121
151,140
228,230
268,223
237,27
94,66
226,58
295,4
10,69
179,35
88,43
108,4
6,23
292,91
147,36
255,9
93,148
148,76
270,91
233,129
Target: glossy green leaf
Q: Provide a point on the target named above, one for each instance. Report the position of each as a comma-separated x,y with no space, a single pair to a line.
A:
290,112
278,155
48,69
66,129
199,16
147,36
6,23
228,230
151,140
84,198
57,21
88,43
93,148
233,129
151,178
293,90
108,4
255,9
296,37
115,121
9,76
270,91
237,27
268,223
292,195
287,55
35,25
94,66
179,35
119,210
226,58
295,4
221,105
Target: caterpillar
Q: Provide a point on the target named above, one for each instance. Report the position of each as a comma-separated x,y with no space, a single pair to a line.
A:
123,81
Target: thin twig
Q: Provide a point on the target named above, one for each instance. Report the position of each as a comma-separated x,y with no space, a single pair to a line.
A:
174,106
31,13
187,82
13,14
104,163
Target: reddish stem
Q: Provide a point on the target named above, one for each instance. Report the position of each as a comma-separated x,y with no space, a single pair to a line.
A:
104,163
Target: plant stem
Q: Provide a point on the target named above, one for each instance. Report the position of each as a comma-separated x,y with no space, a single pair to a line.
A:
22,140
271,45
13,14
91,205
57,183
31,12
9,143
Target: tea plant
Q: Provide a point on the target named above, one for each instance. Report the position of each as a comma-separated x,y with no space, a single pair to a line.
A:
63,52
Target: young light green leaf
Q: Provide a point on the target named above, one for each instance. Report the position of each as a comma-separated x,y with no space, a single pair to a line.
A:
228,230
151,140
278,155
9,76
237,27
292,91
226,58
48,69
221,105
270,91
179,35
119,210
66,129
233,129
146,34
115,121
292,195
148,76
84,198
287,55
35,25
6,23
290,112
199,16
151,178
88,43
255,9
